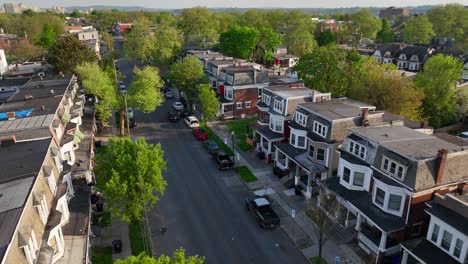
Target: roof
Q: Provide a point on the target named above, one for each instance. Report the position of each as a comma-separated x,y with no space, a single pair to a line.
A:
362,200
388,117
406,142
284,56
270,135
332,109
261,202
428,252
225,62
409,51
452,139
13,82
238,69
392,48
450,217
289,150
286,91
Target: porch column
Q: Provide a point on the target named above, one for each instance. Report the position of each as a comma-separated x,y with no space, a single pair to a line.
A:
347,218
383,241
269,146
276,155
404,259
261,143
286,162
358,222
309,185
297,177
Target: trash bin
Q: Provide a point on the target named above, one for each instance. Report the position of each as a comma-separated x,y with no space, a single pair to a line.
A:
298,190
100,207
117,245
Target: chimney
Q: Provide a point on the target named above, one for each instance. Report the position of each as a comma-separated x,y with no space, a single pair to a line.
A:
463,188
11,115
364,115
7,141
440,163
254,76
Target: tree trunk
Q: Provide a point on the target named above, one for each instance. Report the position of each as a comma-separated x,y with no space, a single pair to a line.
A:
122,123
320,244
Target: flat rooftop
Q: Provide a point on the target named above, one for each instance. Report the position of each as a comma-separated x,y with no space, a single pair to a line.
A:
239,69
226,62
286,91
333,109
406,141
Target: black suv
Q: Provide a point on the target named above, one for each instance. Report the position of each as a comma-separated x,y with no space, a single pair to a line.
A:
174,116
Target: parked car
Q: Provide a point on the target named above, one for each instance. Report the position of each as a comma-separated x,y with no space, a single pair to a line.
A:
200,134
191,121
262,211
164,90
223,160
130,112
178,106
132,122
173,116
123,88
169,94
211,146
184,113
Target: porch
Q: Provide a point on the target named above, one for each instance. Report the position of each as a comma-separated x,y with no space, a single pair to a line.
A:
266,141
226,109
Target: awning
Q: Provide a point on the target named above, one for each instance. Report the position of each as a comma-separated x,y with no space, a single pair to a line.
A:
268,134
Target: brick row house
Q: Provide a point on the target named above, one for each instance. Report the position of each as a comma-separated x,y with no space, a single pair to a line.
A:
446,239
48,124
240,89
275,112
385,176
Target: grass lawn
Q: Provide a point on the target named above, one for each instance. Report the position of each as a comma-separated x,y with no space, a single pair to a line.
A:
101,255
317,260
101,219
245,174
240,129
137,239
218,140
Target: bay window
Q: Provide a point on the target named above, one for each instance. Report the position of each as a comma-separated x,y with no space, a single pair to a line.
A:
394,202
346,174
353,176
358,179
446,240
298,138
389,198
266,99
435,233
379,197
276,124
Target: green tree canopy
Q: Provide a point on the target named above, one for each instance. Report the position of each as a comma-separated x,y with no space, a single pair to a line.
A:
200,27
130,175
31,25
326,37
68,52
48,36
208,100
140,41
418,29
24,50
178,257
451,21
268,41
438,81
298,33
387,90
186,75
143,93
239,42
366,23
385,34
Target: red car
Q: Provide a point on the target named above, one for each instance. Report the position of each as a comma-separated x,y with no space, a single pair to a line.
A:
200,134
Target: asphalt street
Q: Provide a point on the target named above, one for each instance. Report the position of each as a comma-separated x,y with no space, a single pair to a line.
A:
203,208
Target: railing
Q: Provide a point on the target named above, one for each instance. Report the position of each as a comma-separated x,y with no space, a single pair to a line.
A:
281,163
368,243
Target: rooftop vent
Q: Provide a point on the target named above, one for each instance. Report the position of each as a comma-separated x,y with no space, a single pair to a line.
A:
28,97
11,115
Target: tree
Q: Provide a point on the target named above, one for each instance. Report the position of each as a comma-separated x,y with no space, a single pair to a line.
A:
186,75
208,100
140,41
48,36
385,34
178,257
143,93
130,175
298,37
24,50
387,90
451,21
329,69
323,224
366,23
239,42
326,37
268,41
438,81
68,52
200,27
418,29
168,43
98,83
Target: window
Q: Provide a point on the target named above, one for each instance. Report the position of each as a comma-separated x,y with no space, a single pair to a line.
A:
228,94
276,125
31,249
458,248
394,202
248,104
278,106
359,178
230,79
393,168
239,105
320,154
379,197
435,233
446,240
292,141
42,209
311,151
266,99
298,140
301,141
320,129
346,174
260,91
301,119
357,149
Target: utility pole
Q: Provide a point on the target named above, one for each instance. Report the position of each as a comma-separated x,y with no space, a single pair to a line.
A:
233,150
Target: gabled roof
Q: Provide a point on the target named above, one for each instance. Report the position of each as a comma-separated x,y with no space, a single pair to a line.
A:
393,48
409,51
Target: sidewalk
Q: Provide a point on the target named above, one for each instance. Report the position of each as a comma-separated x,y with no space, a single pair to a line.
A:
300,229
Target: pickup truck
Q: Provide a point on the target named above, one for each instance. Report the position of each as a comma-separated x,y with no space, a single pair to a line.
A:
262,211
223,160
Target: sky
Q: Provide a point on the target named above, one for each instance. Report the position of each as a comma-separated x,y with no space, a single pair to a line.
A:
176,4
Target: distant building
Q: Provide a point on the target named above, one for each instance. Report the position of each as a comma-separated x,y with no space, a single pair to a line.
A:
9,8
392,12
3,62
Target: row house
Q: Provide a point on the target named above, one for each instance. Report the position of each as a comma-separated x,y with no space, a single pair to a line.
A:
385,176
446,239
240,89
283,63
275,112
213,71
316,132
386,53
206,56
48,109
412,58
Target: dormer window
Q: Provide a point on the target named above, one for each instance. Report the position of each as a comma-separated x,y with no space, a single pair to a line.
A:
357,149
228,93
320,129
278,106
393,168
301,119
402,57
230,79
266,99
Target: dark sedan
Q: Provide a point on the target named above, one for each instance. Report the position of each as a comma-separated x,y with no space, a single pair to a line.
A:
211,146
173,116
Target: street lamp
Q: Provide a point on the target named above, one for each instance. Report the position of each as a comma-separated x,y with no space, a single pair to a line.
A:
233,150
